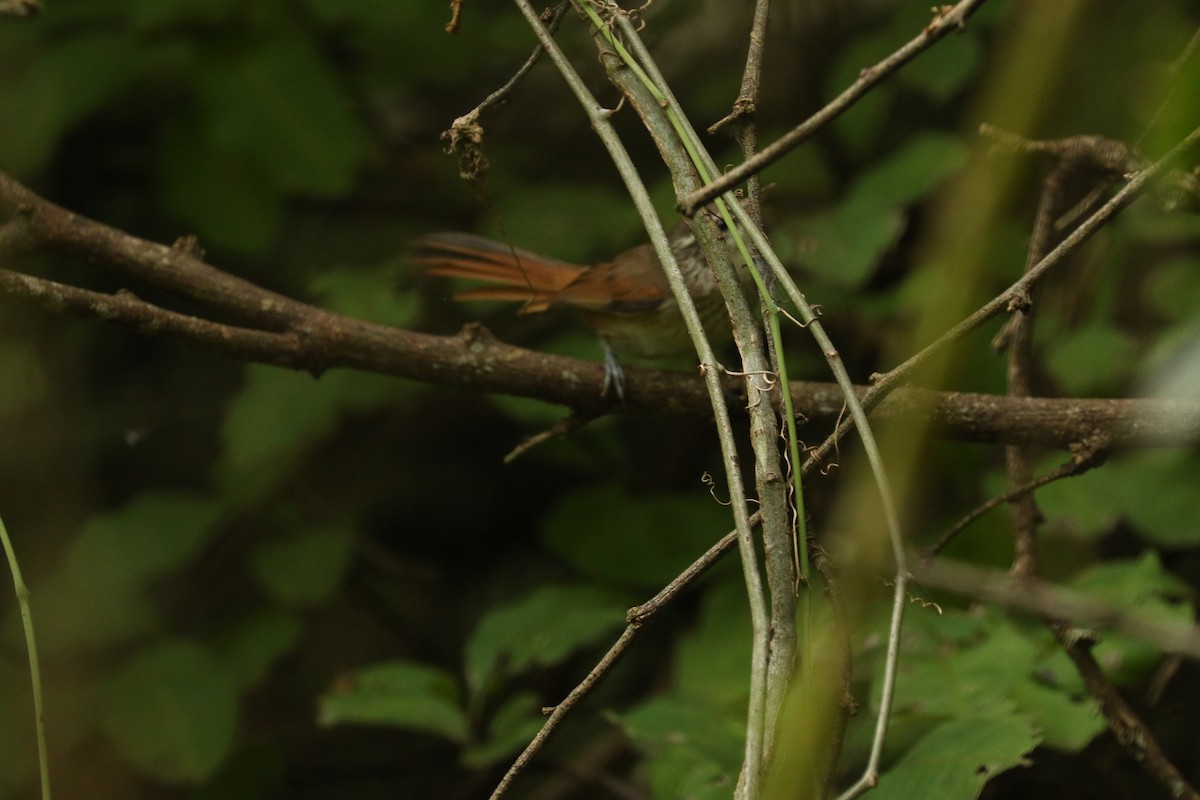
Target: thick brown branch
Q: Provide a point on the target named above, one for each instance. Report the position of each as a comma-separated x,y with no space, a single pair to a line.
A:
475,360
124,307
274,329
37,224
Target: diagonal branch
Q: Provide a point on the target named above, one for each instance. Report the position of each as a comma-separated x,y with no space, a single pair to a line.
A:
1015,295
945,22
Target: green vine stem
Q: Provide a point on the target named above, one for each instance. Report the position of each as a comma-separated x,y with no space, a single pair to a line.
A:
598,116
35,672
729,210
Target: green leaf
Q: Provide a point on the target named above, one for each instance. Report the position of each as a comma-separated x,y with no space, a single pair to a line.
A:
941,72
940,677
152,535
860,129
958,665
305,567
863,125
1085,506
23,375
281,106
955,759
146,14
1092,360
256,642
1159,495
222,193
512,727
694,750
58,88
100,594
712,660
1131,582
1142,584
911,172
1173,289
1005,658
809,174
1066,723
849,242
544,628
368,293
82,611
666,722
680,772
280,414
400,694
172,711
638,541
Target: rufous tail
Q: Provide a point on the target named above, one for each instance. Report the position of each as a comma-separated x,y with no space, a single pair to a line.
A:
516,274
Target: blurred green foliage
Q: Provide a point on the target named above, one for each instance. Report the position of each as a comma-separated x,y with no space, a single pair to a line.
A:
171,709
994,744
253,583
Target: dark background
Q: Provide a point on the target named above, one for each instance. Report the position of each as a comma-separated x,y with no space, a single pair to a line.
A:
212,547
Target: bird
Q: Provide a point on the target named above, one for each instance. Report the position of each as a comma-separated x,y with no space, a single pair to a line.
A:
625,300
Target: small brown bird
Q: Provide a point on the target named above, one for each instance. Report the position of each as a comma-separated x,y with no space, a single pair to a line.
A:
626,301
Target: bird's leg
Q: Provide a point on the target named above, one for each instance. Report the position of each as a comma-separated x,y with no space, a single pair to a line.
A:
614,374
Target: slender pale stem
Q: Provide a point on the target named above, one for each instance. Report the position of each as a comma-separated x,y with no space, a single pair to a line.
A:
35,672
598,116
764,432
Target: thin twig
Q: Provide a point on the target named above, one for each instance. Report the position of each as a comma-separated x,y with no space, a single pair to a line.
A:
20,8
124,307
551,17
768,464
455,16
1089,455
1018,340
746,104
560,711
688,163
663,115
636,617
658,238
1127,727
561,428
465,134
1016,293
882,484
950,21
1080,154
1021,288
1174,72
